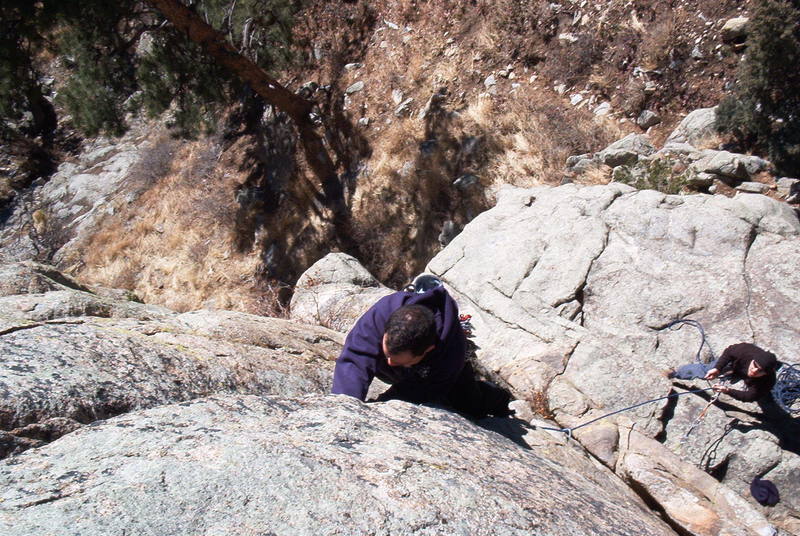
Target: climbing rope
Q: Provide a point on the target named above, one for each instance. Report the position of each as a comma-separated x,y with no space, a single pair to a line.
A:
569,431
699,419
786,391
703,342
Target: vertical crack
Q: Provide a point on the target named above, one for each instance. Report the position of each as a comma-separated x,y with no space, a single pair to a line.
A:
748,287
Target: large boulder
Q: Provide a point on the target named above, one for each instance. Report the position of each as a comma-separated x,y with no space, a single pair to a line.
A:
730,165
309,466
335,292
627,150
572,292
699,125
691,499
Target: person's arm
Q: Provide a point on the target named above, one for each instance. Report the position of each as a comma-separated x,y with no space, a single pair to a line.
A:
356,365
721,363
752,392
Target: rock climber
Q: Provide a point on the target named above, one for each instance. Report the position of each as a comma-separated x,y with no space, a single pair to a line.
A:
744,361
414,341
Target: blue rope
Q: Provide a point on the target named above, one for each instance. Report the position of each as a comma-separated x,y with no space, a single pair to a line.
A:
786,391
703,341
569,431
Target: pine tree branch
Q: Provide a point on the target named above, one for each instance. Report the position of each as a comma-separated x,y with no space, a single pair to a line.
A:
216,45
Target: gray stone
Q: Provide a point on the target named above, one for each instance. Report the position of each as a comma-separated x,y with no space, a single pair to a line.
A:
363,121
735,29
449,231
700,180
355,87
695,127
490,81
353,66
604,108
32,278
316,465
572,160
585,164
647,119
465,181
627,150
753,187
722,163
397,96
787,186
405,108
754,164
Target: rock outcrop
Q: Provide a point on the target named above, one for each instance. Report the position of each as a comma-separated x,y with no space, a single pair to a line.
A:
71,354
334,292
245,465
572,291
682,163
108,174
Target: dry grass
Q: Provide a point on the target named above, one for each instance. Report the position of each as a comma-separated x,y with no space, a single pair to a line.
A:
174,247
541,405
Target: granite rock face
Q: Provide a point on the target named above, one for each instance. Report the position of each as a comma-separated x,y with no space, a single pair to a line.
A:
57,216
247,465
572,291
73,355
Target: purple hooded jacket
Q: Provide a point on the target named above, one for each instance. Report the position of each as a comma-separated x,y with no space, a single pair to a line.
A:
362,357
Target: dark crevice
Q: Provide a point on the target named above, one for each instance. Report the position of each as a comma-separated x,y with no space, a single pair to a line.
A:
654,505
666,415
720,470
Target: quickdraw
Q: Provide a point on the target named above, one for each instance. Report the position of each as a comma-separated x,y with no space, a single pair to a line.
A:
466,324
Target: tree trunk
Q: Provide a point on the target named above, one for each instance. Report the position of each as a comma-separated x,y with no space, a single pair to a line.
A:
297,108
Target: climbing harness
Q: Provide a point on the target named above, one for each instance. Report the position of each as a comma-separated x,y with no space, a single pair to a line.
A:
466,324
786,391
569,431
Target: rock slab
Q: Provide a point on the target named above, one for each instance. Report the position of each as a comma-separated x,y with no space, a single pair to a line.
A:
246,465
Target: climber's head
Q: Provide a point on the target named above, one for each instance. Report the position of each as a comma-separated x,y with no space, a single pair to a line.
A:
762,365
409,335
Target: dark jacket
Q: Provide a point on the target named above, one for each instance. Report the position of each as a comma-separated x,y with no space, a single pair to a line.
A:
362,357
736,360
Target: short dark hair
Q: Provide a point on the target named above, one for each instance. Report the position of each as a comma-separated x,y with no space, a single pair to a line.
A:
410,328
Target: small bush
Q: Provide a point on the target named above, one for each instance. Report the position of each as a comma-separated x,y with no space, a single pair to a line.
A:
656,175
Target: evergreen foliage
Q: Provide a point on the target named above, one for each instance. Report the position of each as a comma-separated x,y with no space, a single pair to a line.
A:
764,111
121,56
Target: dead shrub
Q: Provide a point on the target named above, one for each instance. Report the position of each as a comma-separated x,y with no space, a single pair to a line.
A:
541,405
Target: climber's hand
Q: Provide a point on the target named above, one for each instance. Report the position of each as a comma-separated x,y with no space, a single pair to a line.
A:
721,388
711,374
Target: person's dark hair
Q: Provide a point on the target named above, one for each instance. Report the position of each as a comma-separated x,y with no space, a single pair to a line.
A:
411,327
767,361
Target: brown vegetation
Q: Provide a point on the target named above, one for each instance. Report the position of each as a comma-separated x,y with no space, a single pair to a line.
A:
229,234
